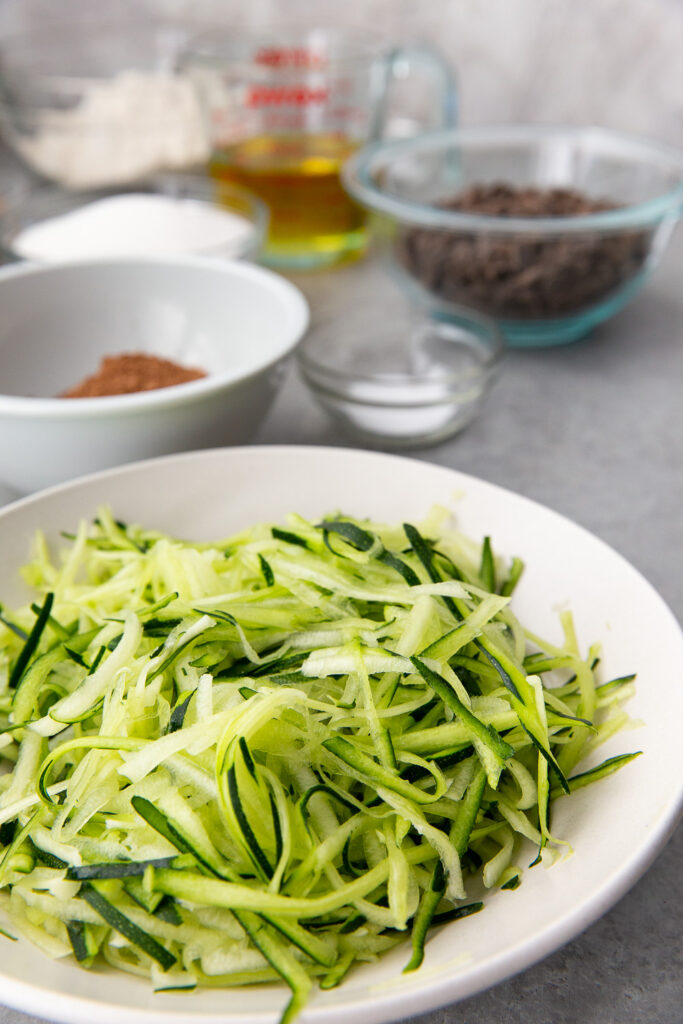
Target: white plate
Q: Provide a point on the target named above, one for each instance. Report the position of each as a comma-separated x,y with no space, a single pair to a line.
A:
616,827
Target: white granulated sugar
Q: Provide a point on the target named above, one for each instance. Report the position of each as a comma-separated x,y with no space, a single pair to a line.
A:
124,128
134,224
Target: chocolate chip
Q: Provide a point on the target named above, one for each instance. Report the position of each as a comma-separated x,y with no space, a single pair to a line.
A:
523,276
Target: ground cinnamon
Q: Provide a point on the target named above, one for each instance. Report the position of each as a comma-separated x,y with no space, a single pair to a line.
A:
130,372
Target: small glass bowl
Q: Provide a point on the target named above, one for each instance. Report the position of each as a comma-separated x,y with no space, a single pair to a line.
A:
546,280
30,205
404,388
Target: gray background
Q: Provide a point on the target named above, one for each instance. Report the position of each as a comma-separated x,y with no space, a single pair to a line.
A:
611,62
593,430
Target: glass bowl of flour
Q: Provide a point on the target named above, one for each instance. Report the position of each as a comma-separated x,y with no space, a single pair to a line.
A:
91,104
167,215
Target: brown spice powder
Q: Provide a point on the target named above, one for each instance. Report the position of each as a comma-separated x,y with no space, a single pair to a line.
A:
130,372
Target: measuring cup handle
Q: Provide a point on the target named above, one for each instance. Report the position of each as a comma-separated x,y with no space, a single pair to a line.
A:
407,63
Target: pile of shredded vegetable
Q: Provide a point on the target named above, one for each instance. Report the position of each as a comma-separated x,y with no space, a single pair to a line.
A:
280,755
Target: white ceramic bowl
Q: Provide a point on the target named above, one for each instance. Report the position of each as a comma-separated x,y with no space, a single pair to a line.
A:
235,321
615,827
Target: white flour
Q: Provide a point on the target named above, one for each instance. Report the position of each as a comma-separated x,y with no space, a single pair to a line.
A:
135,224
125,127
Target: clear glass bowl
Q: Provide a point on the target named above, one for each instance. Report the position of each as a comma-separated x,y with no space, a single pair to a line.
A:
29,205
402,389
93,102
546,280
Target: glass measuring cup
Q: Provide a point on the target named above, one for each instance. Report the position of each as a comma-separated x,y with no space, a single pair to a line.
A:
285,109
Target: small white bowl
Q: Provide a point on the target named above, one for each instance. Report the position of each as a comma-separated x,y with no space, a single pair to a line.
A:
235,321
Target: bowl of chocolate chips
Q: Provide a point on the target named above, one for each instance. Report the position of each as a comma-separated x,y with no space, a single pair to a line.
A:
549,230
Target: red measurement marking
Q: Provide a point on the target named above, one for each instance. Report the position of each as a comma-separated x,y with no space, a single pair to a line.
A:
285,96
291,57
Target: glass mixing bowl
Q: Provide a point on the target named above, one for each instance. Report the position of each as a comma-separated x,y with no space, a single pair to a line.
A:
94,102
545,279
401,389
28,206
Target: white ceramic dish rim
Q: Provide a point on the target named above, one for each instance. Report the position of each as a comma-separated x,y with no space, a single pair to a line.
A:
386,1006
24,407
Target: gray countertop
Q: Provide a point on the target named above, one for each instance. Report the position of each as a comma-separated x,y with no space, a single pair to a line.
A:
594,430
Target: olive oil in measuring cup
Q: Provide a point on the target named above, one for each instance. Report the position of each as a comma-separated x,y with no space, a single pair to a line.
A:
286,110
312,218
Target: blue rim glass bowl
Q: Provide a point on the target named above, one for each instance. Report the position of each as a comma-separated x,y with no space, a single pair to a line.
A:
589,265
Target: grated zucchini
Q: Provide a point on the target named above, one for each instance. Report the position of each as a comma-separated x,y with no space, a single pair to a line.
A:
278,755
